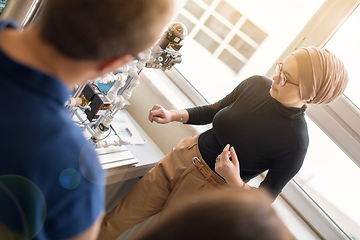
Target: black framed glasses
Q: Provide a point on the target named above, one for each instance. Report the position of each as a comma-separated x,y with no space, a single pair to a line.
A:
283,78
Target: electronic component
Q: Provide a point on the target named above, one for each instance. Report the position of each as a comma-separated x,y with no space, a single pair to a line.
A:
96,100
166,53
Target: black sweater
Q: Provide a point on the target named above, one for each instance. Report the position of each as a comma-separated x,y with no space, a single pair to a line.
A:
265,134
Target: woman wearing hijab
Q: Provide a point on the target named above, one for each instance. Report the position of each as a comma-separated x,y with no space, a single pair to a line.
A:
263,119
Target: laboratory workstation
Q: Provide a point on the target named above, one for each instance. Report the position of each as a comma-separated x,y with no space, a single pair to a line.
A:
180,119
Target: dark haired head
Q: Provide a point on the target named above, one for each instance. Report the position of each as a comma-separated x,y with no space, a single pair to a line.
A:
227,215
106,29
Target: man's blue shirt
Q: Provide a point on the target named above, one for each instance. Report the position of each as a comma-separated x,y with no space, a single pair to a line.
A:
51,181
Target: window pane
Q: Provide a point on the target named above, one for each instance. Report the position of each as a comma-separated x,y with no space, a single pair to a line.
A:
230,40
242,46
332,180
194,9
228,12
208,2
217,27
346,45
208,43
253,32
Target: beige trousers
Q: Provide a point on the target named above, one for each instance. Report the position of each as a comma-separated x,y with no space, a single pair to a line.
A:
172,180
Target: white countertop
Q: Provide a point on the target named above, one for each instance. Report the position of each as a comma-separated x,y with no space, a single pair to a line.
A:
147,155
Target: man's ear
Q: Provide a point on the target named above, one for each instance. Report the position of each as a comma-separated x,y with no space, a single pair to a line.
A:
110,65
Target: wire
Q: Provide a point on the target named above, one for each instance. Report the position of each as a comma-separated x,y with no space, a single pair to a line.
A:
110,129
83,123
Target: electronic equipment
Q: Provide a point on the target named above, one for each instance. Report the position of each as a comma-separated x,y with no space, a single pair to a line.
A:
166,53
99,99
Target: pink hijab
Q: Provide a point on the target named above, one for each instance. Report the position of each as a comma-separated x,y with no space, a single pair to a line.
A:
322,76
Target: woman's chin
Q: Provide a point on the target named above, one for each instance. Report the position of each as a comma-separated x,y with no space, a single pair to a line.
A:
272,93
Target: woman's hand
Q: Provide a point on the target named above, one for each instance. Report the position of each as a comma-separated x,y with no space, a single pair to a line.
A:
160,115
229,170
